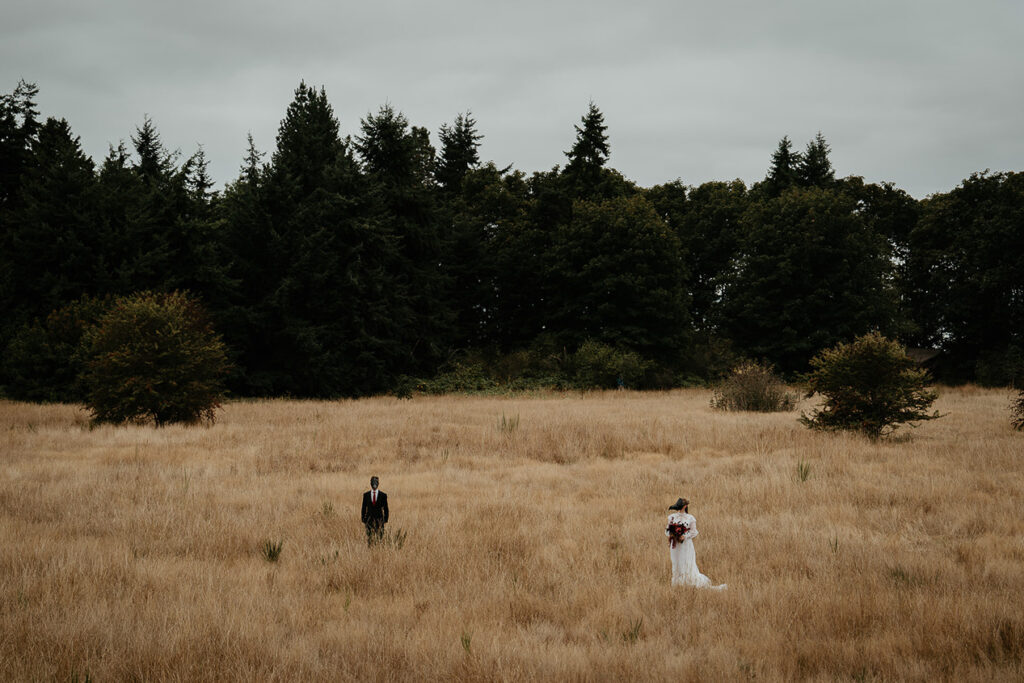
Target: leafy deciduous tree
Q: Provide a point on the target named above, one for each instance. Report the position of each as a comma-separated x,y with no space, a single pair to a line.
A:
616,276
870,385
965,276
154,357
810,272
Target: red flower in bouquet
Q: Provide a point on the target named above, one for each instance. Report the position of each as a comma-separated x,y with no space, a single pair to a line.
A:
676,533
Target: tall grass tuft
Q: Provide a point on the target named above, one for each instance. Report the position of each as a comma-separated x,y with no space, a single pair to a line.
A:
632,634
508,425
389,539
271,550
803,470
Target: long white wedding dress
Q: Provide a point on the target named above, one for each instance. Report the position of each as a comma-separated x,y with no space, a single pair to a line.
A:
684,558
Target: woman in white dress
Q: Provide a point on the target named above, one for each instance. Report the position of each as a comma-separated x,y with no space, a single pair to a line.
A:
681,529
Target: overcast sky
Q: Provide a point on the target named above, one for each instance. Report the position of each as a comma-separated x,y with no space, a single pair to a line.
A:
918,93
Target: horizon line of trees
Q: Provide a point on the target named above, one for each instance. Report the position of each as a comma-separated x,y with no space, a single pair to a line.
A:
342,266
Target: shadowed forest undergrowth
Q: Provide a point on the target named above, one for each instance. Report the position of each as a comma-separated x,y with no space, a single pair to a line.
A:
532,543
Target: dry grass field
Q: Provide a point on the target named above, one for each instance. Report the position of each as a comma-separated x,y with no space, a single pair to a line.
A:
533,552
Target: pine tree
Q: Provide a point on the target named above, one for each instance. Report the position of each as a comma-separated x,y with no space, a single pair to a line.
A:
308,144
204,268
48,246
153,165
392,153
815,168
398,160
198,182
319,303
785,169
152,205
459,151
118,189
588,154
245,245
19,125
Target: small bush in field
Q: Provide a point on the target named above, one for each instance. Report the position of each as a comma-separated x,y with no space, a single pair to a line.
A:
754,387
1017,411
154,357
870,385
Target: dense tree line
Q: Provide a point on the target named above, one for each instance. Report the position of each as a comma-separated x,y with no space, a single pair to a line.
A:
344,265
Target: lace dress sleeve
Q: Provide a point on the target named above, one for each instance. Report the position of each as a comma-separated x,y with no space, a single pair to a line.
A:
691,531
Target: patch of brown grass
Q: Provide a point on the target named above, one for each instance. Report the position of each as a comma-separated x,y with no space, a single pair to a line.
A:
532,552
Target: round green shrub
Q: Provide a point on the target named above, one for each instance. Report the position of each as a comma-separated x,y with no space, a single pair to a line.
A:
870,385
154,357
1017,411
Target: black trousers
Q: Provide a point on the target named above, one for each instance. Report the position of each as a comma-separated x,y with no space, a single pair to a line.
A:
374,531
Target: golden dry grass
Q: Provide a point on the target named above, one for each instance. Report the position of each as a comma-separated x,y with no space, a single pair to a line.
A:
531,553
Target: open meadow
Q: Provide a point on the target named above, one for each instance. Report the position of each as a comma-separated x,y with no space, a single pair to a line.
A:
534,544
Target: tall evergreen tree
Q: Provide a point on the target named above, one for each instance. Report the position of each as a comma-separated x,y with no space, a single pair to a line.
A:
308,144
460,143
588,154
399,160
154,165
19,125
198,182
318,305
142,201
814,168
245,236
118,189
48,246
785,169
203,265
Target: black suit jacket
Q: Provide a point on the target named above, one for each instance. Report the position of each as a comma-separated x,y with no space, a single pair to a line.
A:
375,513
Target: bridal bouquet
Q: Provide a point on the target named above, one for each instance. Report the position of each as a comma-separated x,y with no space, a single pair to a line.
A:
676,533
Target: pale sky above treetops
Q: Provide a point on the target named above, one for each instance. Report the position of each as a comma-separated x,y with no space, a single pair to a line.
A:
918,93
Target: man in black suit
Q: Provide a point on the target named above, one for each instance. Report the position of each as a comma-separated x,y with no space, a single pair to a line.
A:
375,512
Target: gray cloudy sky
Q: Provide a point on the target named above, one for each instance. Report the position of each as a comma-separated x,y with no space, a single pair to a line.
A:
918,93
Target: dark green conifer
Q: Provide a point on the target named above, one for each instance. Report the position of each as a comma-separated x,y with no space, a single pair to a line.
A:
785,169
815,168
588,154
459,151
48,246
